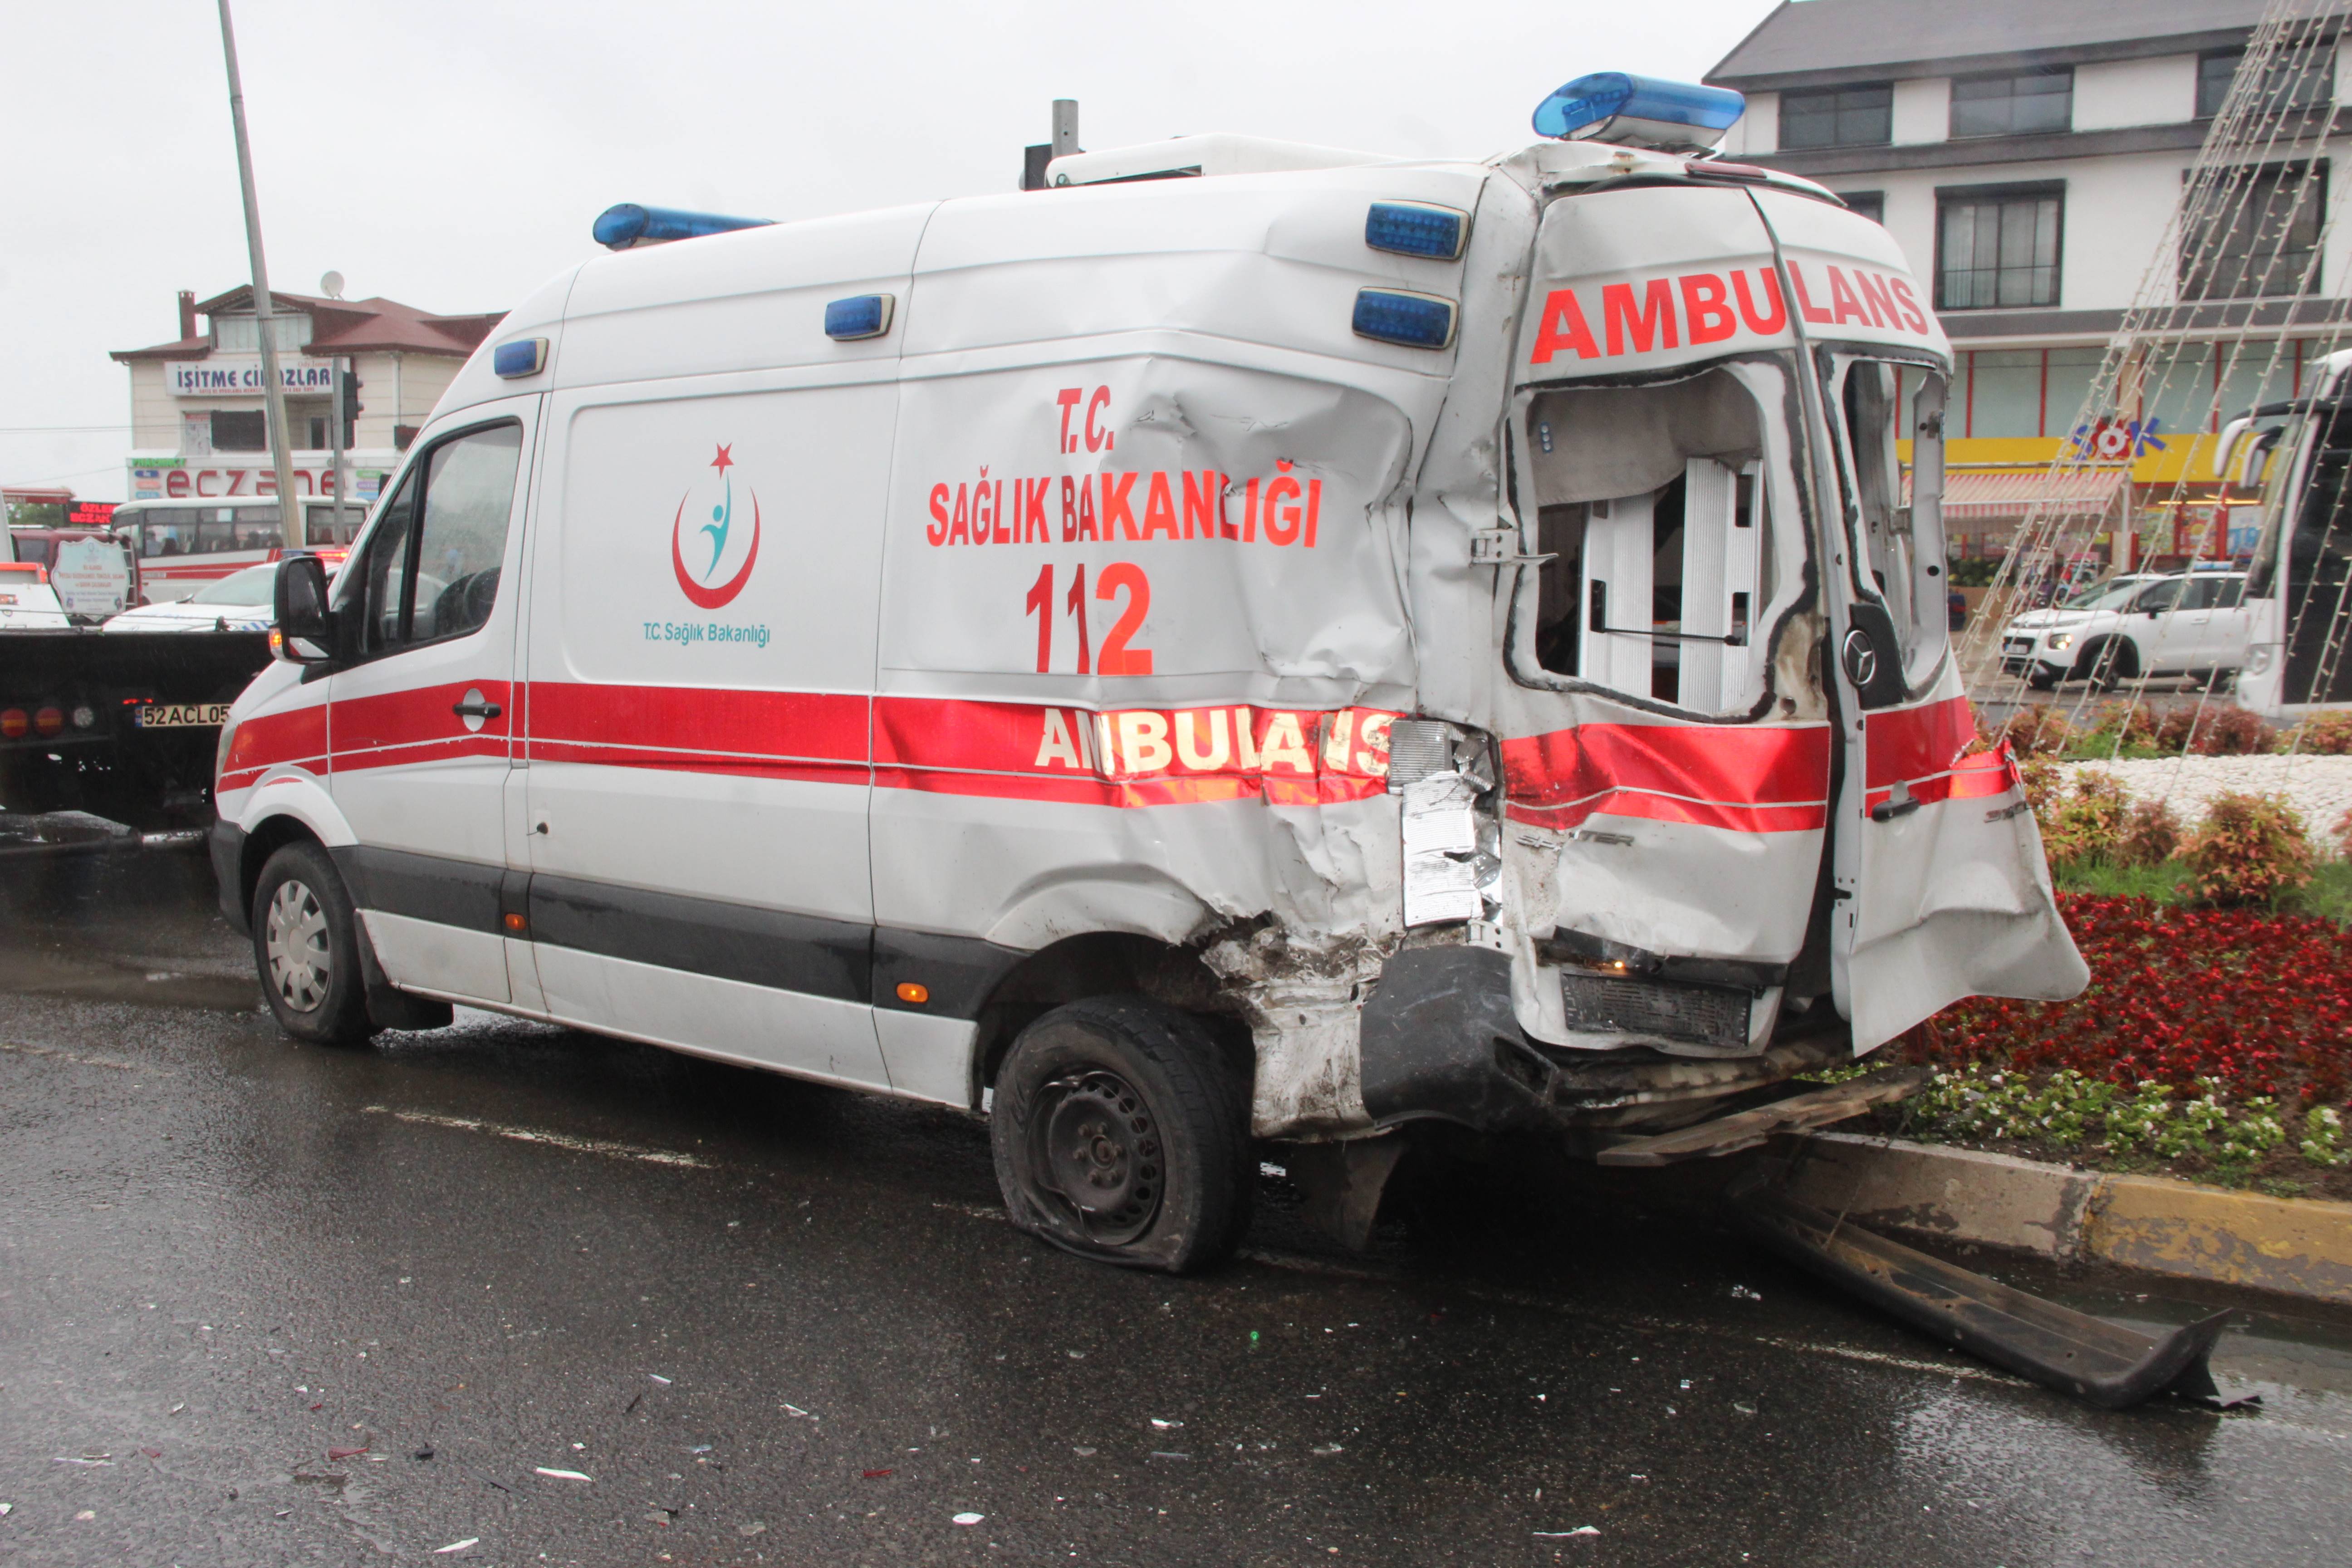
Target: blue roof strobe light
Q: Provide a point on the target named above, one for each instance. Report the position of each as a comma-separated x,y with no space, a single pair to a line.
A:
1394,316
1416,228
1640,111
619,227
860,316
524,356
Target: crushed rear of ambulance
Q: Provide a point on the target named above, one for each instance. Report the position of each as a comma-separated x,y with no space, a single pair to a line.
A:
1655,785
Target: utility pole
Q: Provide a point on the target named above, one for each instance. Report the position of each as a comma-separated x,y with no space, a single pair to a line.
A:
273,389
336,418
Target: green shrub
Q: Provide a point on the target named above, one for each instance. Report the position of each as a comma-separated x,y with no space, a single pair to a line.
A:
2322,735
2248,850
2036,731
2216,732
2150,835
2089,823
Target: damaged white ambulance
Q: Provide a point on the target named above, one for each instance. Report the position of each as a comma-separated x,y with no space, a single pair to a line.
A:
1249,641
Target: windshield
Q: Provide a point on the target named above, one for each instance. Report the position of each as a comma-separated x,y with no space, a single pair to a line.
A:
254,585
2114,594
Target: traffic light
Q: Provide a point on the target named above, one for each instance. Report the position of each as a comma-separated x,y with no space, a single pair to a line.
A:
350,409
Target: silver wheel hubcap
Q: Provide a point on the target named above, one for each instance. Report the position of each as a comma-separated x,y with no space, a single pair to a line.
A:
294,939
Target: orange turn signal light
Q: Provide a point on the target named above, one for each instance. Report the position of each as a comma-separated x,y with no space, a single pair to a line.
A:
910,992
515,922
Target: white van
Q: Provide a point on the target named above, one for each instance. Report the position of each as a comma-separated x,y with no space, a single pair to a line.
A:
1295,654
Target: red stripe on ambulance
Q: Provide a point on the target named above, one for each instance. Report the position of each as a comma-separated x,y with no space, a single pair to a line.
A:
1749,780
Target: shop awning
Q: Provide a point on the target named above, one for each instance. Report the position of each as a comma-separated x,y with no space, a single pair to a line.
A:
2013,494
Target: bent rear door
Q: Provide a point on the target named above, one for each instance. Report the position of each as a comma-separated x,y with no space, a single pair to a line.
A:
1940,887
1665,751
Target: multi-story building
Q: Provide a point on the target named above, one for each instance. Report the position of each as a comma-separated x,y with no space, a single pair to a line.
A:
2029,158
198,425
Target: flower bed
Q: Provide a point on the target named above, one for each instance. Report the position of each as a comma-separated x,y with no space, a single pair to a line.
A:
2210,1043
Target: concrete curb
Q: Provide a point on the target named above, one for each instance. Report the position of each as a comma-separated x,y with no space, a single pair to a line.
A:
2295,1246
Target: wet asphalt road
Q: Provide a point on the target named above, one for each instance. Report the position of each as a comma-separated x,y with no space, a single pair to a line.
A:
747,1320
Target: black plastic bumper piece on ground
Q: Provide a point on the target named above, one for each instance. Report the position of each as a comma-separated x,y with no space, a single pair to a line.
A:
2094,1360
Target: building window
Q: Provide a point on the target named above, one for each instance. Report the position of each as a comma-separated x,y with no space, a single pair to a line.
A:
1998,247
2262,237
242,334
2014,104
2301,77
1840,117
243,431
1871,204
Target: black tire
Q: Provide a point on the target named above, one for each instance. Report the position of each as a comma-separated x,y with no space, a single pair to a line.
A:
306,948
1151,1131
2109,663
2042,680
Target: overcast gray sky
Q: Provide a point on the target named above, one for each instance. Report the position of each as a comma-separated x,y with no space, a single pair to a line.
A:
452,153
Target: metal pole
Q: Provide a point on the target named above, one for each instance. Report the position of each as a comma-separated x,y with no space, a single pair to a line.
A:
273,389
337,417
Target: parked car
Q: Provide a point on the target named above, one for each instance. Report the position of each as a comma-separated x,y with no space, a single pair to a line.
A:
237,603
28,602
2183,624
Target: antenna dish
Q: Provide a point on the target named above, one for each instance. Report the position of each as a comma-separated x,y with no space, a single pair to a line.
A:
331,285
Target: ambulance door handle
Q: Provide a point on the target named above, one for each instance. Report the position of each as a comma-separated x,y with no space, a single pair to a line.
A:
475,709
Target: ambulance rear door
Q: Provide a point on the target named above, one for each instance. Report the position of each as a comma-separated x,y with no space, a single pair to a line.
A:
1940,887
1666,752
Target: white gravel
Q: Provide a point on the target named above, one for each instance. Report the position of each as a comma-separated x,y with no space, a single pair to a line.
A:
2320,788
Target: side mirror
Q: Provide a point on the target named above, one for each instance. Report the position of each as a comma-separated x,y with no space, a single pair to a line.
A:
299,600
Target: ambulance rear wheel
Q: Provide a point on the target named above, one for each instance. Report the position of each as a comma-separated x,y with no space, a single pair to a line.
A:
306,945
1119,1135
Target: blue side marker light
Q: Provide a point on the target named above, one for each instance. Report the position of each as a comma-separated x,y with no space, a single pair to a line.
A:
1394,316
1639,111
524,356
1416,228
860,316
619,227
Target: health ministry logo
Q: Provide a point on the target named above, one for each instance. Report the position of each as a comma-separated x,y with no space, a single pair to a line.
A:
706,589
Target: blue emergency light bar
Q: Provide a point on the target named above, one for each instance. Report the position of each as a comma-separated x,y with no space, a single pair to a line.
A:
619,227
1639,111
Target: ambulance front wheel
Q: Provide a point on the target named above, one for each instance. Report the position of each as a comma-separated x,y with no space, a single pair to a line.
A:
306,945
1119,1135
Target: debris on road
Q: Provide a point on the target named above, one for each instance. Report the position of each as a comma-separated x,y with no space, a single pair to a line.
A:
470,1541
1565,1535
1327,1448
335,1454
874,1475
1160,1425
754,1528
87,1461
969,1517
561,1474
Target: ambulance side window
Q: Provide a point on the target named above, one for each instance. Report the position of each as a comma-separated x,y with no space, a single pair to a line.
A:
385,571
462,539
432,566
